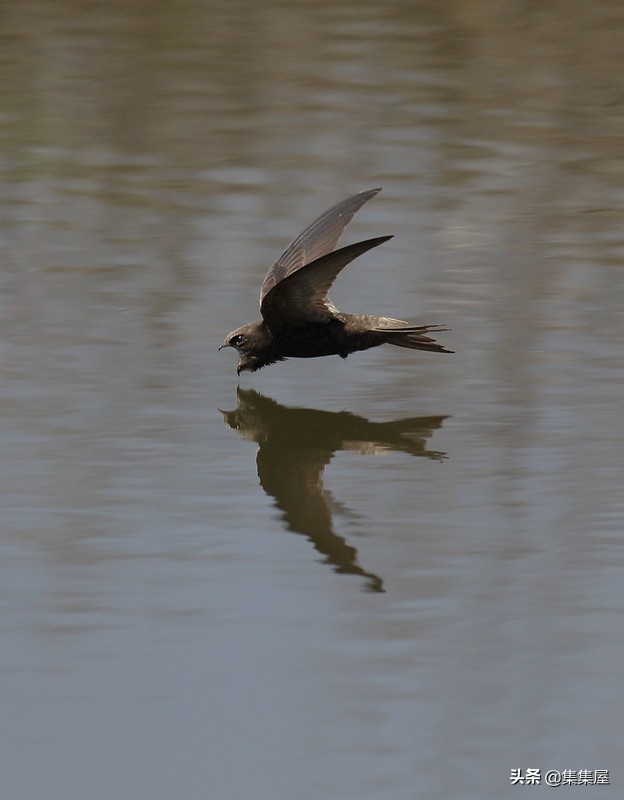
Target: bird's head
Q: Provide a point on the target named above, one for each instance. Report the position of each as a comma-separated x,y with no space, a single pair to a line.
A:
251,343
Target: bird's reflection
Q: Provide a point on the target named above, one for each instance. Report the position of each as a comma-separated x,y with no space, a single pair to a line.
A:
295,445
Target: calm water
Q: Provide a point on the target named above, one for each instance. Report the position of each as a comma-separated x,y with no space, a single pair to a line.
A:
392,577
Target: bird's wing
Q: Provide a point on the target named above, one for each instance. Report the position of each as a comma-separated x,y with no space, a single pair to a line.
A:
301,297
318,239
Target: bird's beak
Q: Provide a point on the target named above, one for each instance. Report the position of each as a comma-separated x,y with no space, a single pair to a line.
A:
225,344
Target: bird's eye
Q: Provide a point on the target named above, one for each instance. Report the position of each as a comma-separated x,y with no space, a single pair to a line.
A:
238,339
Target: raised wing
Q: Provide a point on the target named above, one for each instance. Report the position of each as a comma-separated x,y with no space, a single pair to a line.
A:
318,239
301,297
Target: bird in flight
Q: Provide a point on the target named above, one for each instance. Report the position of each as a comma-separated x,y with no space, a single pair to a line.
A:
298,318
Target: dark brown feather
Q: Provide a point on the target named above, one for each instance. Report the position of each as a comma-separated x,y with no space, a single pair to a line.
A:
318,239
302,296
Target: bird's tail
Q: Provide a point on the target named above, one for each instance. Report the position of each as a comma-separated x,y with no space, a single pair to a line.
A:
413,337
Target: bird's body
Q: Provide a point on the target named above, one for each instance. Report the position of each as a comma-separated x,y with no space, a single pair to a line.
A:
299,320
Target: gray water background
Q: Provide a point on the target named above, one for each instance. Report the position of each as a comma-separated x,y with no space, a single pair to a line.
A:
179,620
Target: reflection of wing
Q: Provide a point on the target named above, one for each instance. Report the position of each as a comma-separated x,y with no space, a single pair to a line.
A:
296,484
302,296
295,445
317,240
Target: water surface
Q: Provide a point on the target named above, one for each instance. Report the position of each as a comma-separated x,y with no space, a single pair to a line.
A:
394,576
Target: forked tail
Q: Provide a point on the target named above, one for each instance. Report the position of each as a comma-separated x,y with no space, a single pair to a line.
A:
415,337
